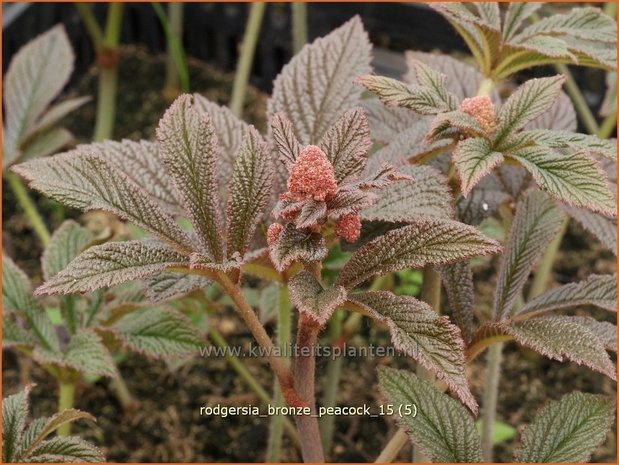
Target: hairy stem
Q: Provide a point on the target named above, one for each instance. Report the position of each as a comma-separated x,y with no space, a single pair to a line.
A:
248,48
66,398
122,393
299,26
393,447
334,371
284,328
491,390
29,207
544,270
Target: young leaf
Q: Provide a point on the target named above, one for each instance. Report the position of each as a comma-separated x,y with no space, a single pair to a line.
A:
560,338
284,139
419,332
516,15
427,194
442,428
347,143
66,243
575,141
474,158
535,224
189,151
250,190
14,415
297,245
568,430
158,333
85,180
426,241
457,280
167,285
66,450
598,291
531,100
317,85
311,299
111,264
427,76
573,178
561,116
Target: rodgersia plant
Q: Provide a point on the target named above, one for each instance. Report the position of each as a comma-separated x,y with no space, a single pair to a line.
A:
275,206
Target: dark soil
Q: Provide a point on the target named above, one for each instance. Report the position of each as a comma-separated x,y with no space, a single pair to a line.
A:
168,427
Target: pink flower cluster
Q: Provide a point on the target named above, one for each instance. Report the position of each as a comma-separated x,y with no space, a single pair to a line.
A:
482,109
311,176
348,227
273,232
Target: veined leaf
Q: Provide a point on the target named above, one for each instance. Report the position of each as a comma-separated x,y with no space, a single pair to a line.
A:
427,194
13,334
530,100
53,115
580,142
482,201
420,99
516,15
158,333
419,332
536,223
66,243
311,299
111,264
427,76
457,280
297,245
573,178
568,430
284,139
442,428
605,229
561,116
36,75
250,190
474,158
606,332
386,123
610,98
17,297
317,85
426,241
167,285
449,125
597,290
46,143
189,150
70,449
346,144
560,338
84,180
14,415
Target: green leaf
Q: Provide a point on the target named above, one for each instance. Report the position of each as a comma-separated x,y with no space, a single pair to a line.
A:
530,100
46,143
317,86
575,141
501,432
451,124
568,430
159,333
250,190
189,151
297,245
66,449
167,285
426,241
419,332
597,290
111,264
536,223
14,414
427,76
516,15
474,158
66,243
573,178
311,299
457,279
603,228
606,332
442,428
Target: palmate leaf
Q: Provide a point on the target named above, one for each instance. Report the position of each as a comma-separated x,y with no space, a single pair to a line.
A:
167,285
597,290
17,297
442,428
426,194
517,14
568,430
111,264
311,299
317,86
419,332
474,158
580,142
250,190
573,178
530,100
85,180
66,243
158,333
66,450
427,76
36,75
561,116
14,415
457,280
426,241
297,245
561,338
189,150
537,221
347,143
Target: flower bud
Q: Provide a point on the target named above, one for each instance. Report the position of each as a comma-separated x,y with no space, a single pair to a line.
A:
311,176
482,109
348,227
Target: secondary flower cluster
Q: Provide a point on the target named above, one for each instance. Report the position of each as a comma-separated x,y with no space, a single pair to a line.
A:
482,109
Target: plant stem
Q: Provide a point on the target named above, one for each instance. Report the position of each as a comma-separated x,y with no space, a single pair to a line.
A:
122,393
608,126
90,23
66,397
299,26
284,328
544,270
485,87
491,390
175,17
29,207
304,379
243,69
334,370
582,108
393,447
